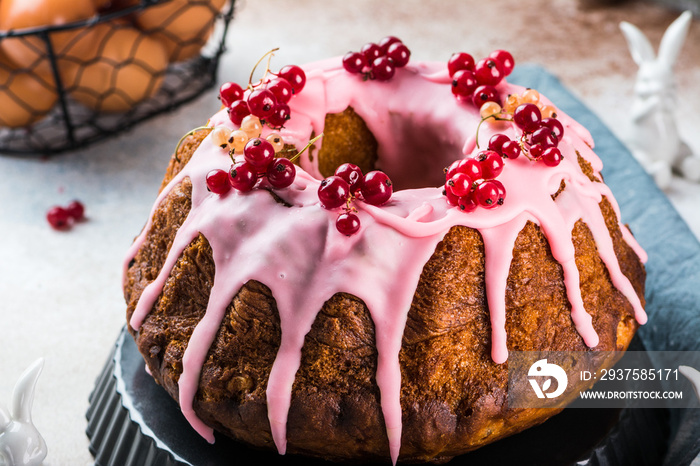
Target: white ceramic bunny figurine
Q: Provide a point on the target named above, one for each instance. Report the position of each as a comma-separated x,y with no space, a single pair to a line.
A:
21,444
653,134
693,375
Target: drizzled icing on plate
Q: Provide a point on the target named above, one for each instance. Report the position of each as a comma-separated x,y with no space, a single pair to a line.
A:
297,252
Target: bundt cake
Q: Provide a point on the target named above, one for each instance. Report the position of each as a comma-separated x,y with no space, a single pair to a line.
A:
339,262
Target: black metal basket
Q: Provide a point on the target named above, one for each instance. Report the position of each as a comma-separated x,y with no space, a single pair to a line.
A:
80,116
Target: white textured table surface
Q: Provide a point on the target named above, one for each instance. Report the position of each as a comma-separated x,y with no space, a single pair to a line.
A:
61,296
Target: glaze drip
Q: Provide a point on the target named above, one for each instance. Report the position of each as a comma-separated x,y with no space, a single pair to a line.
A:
297,252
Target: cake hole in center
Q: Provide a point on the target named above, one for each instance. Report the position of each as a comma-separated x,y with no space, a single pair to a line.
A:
412,153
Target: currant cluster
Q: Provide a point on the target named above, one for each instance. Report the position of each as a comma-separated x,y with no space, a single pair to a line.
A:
539,139
268,99
61,218
472,183
378,60
259,159
493,111
347,184
476,82
528,96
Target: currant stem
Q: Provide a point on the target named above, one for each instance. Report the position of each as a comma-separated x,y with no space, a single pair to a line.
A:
523,149
189,133
269,56
348,203
483,119
295,157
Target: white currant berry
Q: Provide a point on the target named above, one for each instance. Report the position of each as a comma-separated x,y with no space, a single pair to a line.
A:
237,141
276,140
252,126
220,135
490,109
530,96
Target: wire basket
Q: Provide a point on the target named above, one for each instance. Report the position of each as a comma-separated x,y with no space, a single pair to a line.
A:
65,87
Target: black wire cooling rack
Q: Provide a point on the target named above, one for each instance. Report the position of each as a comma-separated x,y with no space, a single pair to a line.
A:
75,116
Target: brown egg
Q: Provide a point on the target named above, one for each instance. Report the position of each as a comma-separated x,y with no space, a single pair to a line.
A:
101,4
182,25
24,96
127,67
32,51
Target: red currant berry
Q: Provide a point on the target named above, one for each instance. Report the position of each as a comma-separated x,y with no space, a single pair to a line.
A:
217,181
511,149
355,62
551,157
58,217
242,176
76,210
491,164
459,185
460,61
470,166
451,198
294,76
281,89
352,174
281,173
527,117
544,136
496,142
237,111
536,151
488,72
261,103
399,54
463,84
453,169
333,192
489,194
377,188
259,153
371,51
467,203
505,59
229,93
382,69
501,191
387,42
555,125
347,223
483,94
280,116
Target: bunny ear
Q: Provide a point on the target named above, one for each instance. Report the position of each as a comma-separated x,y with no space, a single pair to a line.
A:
23,394
673,39
5,419
639,45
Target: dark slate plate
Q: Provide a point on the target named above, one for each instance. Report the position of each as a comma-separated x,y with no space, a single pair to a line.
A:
133,422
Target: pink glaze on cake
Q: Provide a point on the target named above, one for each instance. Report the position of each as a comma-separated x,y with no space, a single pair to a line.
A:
298,253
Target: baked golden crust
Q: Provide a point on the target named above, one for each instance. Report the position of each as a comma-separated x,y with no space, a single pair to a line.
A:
453,395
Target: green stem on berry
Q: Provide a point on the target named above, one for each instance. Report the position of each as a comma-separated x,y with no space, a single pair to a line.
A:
295,157
189,133
495,117
269,56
